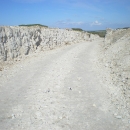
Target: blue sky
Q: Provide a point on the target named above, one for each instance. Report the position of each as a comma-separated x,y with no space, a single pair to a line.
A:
85,14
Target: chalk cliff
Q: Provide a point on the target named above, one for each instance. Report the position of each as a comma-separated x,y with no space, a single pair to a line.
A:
17,41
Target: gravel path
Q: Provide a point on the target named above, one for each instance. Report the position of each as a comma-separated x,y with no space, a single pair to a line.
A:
56,90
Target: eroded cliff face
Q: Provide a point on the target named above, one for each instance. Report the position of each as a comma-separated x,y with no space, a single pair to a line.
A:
117,59
18,41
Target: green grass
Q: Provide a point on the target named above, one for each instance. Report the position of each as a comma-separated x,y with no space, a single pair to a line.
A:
30,25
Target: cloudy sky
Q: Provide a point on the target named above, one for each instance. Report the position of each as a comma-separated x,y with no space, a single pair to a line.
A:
85,14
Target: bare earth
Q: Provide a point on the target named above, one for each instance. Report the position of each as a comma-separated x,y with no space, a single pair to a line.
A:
57,90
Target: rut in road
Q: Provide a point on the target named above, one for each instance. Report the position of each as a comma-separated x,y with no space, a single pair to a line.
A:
57,90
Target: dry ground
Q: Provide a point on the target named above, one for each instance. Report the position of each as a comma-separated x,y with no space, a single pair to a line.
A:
57,90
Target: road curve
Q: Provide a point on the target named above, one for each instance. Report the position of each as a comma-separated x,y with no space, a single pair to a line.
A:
56,90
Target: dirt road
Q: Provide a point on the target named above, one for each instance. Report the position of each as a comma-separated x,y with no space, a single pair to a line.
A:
56,90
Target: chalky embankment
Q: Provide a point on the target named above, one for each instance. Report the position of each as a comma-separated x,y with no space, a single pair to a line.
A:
116,58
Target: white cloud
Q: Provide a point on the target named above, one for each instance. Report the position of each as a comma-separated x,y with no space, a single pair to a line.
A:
96,23
69,22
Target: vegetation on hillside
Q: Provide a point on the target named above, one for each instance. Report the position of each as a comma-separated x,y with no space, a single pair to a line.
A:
101,33
30,25
124,28
77,29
